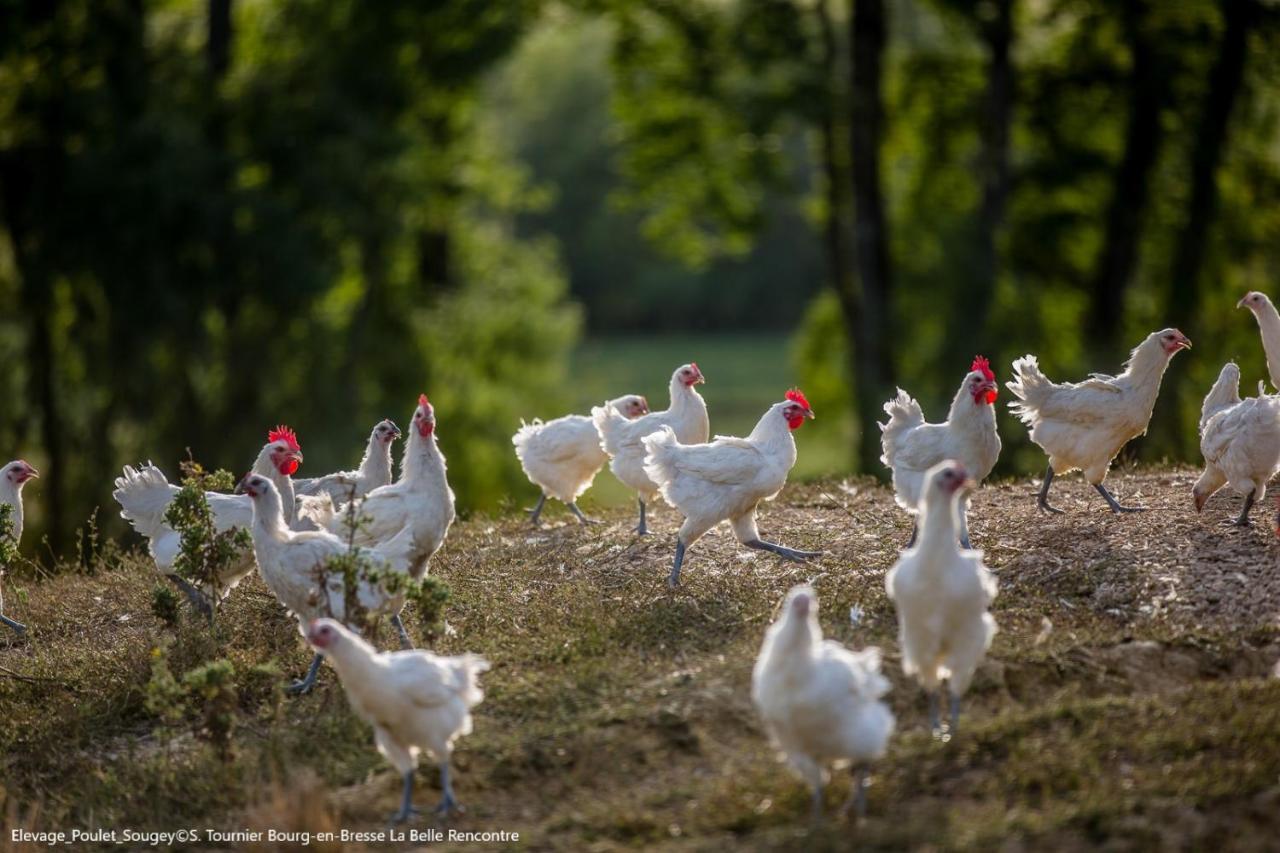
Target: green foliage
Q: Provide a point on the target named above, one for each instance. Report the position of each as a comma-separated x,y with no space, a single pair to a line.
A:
165,605
205,553
207,696
8,545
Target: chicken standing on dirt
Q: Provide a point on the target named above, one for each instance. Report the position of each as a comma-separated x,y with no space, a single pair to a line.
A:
821,703
912,447
1269,325
374,470
292,566
623,439
1240,440
727,479
144,494
563,456
12,479
415,701
942,594
1085,424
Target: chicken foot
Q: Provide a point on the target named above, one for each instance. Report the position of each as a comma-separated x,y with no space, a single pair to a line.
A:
642,529
448,802
573,507
1042,501
198,599
537,509
1243,520
406,802
858,795
406,642
782,551
674,580
1115,505
299,688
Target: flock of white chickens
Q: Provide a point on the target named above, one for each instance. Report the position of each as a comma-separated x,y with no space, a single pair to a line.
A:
821,703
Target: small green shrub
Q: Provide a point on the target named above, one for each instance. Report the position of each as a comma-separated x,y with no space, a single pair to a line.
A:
205,553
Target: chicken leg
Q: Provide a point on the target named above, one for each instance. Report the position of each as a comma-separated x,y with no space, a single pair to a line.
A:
405,641
1042,501
935,720
573,507
15,625
198,599
642,529
537,509
406,801
448,802
955,714
299,688
1115,505
674,580
1243,520
858,795
782,551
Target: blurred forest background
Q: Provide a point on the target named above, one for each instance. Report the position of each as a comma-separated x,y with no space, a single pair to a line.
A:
217,215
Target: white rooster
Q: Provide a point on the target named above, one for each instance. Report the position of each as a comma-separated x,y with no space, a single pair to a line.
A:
1269,325
374,470
623,439
821,703
727,479
291,564
912,447
563,456
12,479
416,702
1240,440
1085,424
942,594
144,493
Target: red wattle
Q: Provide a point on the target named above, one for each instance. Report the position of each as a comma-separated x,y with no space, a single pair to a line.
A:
288,467
795,422
425,428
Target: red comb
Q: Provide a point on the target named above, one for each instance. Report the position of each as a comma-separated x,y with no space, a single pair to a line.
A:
981,364
423,402
795,395
285,434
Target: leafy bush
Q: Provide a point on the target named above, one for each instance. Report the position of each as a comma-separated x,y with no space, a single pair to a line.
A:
204,553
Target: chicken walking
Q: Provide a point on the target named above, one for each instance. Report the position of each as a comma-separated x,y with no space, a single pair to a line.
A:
416,702
1240,441
13,477
1085,424
727,479
942,594
821,703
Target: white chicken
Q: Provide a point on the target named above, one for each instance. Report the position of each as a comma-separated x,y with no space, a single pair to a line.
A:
12,479
374,470
563,456
1240,440
415,701
1269,325
623,439
912,447
1085,424
291,564
821,703
942,594
727,479
144,493
420,499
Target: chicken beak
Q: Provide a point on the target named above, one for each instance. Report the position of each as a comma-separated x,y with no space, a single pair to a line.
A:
1240,304
32,473
296,456
1200,500
808,413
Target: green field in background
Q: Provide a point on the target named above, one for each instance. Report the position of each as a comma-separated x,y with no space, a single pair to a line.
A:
745,374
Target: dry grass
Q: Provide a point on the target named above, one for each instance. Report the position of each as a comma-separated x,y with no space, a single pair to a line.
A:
1128,699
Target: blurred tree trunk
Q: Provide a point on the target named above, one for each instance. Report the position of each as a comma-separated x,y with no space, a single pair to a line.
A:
868,311
835,166
1149,87
1226,80
995,23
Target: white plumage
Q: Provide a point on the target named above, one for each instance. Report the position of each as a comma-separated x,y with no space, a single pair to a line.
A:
1269,326
563,456
420,500
1083,425
416,701
144,494
912,446
942,594
1240,441
13,477
727,479
374,470
623,439
820,702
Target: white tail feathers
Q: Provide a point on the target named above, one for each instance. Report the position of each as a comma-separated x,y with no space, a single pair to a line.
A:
144,494
1030,386
905,415
526,432
660,458
467,668
607,420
